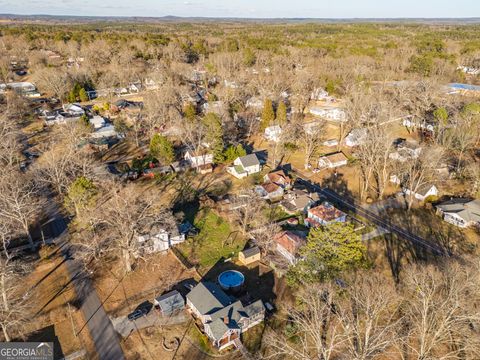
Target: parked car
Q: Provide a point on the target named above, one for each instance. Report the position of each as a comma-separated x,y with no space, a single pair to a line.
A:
141,310
136,315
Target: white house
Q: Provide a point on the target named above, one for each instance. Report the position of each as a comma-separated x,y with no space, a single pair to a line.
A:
330,113
151,84
73,109
469,70
330,143
333,161
58,118
135,87
356,137
162,241
245,166
254,102
460,212
217,107
97,122
273,133
23,88
411,122
406,150
319,94
270,191
424,192
198,158
104,132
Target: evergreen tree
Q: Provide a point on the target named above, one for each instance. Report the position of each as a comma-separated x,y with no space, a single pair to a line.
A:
233,152
329,251
249,57
282,113
162,149
80,195
214,136
82,94
189,112
441,115
71,97
268,115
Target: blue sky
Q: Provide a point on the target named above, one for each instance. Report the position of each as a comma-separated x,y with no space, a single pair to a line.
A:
248,8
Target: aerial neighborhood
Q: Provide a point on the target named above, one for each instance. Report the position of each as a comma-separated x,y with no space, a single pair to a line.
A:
177,190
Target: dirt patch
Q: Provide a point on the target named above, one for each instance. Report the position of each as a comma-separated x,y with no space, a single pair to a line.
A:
149,279
56,318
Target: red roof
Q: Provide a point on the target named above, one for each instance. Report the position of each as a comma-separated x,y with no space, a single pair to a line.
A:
279,177
290,241
326,212
270,187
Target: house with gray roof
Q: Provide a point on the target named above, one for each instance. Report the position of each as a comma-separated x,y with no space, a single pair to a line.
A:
245,166
224,318
460,212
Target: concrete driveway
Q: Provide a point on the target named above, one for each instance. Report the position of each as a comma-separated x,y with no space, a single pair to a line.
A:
124,326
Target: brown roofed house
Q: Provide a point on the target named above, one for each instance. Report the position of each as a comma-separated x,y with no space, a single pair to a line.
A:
323,215
288,244
280,178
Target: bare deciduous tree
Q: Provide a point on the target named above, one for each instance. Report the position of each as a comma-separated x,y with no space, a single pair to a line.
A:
313,324
369,316
125,216
20,201
442,313
14,307
419,171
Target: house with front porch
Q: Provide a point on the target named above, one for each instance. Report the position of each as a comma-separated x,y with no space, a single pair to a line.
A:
224,318
460,212
198,158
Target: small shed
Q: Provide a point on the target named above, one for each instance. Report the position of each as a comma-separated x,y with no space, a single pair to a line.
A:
249,256
170,302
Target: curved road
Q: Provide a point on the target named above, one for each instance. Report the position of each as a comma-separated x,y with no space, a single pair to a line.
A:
374,218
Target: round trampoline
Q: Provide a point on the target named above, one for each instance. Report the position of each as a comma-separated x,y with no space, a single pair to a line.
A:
231,280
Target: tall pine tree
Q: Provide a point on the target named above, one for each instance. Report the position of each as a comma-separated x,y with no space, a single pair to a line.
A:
282,113
268,115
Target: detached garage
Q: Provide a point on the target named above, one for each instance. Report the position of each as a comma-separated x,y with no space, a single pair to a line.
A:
170,302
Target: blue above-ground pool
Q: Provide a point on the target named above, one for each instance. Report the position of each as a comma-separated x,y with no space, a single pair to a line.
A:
231,280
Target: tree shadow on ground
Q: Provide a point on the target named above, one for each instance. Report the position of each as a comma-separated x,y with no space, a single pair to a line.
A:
336,182
47,334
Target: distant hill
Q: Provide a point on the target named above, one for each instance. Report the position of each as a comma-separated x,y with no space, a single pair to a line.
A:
91,19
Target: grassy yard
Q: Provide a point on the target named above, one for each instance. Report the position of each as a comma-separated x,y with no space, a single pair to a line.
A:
216,239
200,339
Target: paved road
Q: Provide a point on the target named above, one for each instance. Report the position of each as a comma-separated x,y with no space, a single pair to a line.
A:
99,325
374,218
379,231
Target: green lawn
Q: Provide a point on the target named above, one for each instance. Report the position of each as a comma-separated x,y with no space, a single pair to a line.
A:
216,239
